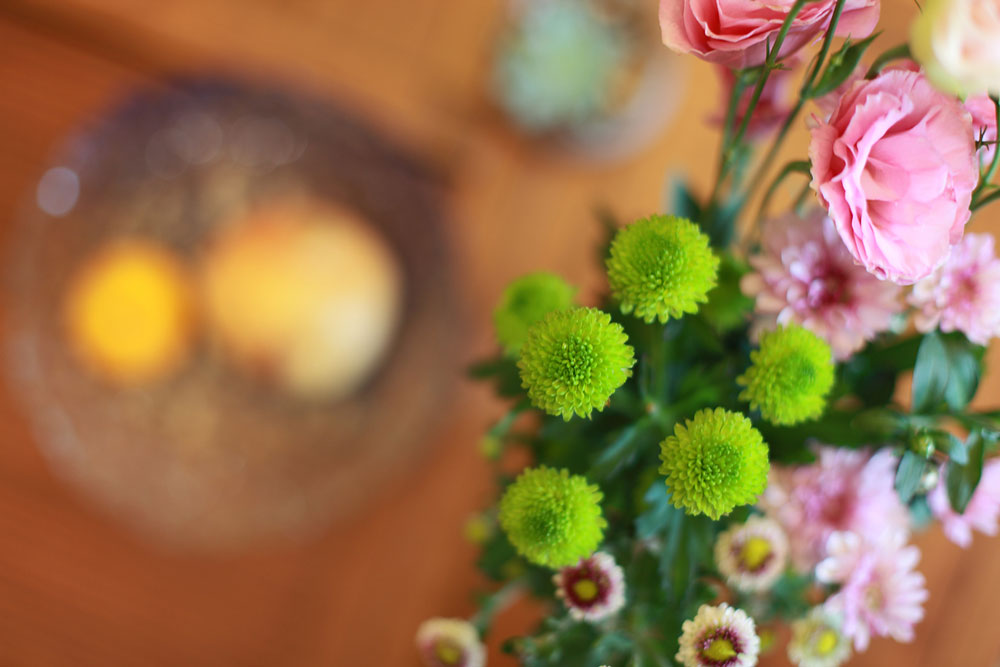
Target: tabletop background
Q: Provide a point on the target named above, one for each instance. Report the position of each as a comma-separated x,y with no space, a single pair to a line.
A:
78,589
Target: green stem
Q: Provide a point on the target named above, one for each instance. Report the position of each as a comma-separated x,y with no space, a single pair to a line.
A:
730,148
739,86
801,198
895,53
986,200
991,171
797,166
494,603
804,94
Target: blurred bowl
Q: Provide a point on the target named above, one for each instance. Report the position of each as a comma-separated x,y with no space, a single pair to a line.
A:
207,458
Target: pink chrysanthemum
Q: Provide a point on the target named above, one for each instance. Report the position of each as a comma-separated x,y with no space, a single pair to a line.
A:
880,591
805,275
593,589
981,513
984,124
964,294
845,490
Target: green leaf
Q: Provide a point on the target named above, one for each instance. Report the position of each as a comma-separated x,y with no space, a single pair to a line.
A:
947,371
623,448
930,375
683,202
503,372
951,445
965,370
908,475
658,513
961,480
842,64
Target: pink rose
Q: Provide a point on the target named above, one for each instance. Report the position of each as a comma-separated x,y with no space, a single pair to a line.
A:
895,166
735,33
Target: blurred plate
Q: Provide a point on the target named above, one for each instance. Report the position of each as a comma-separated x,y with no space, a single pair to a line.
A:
206,458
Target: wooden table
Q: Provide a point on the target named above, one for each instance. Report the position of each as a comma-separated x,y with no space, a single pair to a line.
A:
78,589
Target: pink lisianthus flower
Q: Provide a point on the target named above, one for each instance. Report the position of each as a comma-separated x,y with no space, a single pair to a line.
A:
895,166
981,513
964,294
880,593
804,274
772,108
735,33
984,124
844,490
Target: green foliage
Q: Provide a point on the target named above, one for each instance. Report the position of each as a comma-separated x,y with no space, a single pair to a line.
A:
842,64
962,478
909,472
946,374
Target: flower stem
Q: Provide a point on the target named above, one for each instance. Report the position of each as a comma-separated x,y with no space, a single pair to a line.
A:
895,53
731,148
985,179
804,94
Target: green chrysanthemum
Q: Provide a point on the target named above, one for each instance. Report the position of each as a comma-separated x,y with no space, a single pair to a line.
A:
551,517
526,301
789,377
573,360
661,267
714,463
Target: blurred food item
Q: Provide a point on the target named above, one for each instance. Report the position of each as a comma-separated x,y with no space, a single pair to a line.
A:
128,312
307,296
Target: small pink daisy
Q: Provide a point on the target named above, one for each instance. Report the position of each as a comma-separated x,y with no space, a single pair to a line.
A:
450,642
981,513
804,274
964,294
880,591
844,490
593,589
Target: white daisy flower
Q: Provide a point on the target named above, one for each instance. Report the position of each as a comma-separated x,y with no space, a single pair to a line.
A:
450,642
817,641
593,589
753,555
719,637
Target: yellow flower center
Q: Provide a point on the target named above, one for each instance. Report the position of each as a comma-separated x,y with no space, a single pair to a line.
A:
447,653
585,589
755,552
826,642
719,650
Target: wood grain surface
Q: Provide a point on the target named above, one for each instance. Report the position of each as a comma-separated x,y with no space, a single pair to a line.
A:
78,589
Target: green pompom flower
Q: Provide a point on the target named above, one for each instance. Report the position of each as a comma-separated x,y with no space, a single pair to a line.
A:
573,361
526,301
789,377
661,267
551,517
714,463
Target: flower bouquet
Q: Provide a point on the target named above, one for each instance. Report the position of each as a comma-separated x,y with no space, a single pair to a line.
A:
725,445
